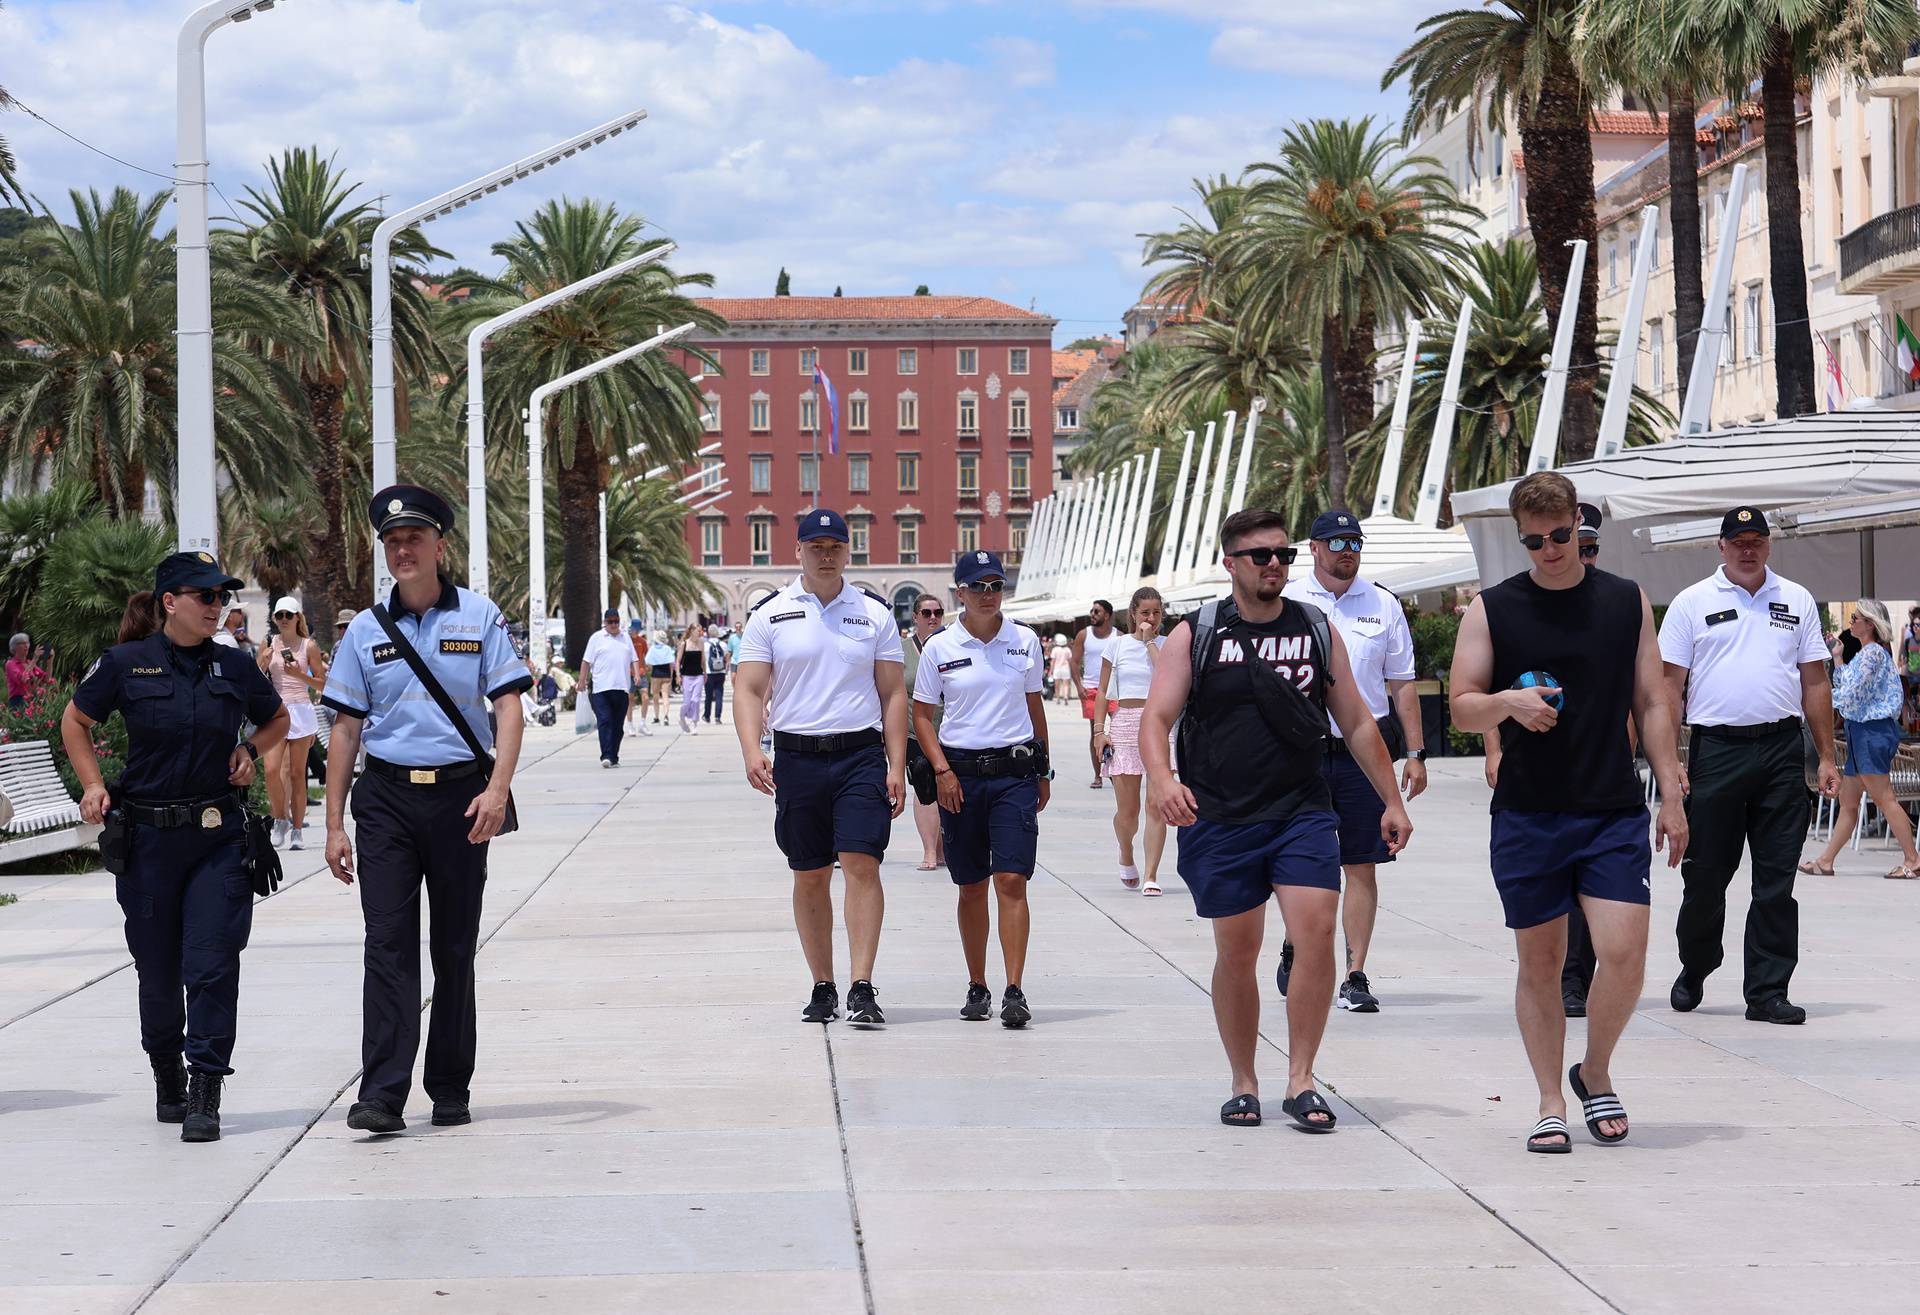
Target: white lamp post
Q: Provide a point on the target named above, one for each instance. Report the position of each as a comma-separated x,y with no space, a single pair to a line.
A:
195,504
477,402
382,308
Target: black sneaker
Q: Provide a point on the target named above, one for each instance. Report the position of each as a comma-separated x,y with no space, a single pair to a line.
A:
1355,997
862,1007
979,1002
1013,1008
1286,967
1573,1004
825,1005
367,1116
1777,1009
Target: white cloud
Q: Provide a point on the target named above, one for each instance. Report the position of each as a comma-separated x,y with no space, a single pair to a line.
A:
1021,61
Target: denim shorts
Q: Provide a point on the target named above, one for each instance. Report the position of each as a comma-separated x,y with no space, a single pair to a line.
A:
1871,746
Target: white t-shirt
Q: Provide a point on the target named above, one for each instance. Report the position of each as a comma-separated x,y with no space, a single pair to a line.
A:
1742,651
1132,667
823,657
1092,649
610,657
983,686
1374,629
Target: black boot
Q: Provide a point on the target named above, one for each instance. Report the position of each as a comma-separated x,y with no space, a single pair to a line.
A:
169,1088
203,1108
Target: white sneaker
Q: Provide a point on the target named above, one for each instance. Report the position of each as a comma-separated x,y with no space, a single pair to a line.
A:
606,762
280,828
295,840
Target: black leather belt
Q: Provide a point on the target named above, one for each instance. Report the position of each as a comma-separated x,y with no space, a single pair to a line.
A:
166,816
1017,760
826,743
1751,732
422,775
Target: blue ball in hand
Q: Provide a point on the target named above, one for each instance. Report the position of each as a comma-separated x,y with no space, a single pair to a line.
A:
1552,695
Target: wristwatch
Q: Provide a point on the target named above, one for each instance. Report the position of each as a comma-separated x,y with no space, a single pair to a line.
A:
1416,755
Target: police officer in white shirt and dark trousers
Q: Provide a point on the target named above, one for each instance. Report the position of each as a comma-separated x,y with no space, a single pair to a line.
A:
1745,659
1380,650
821,662
991,767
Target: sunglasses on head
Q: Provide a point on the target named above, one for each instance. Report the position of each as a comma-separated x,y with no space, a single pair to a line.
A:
985,586
211,597
933,611
1266,556
1535,542
1344,544
1589,550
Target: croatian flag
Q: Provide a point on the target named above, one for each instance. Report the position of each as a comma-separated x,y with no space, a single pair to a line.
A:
1836,386
832,403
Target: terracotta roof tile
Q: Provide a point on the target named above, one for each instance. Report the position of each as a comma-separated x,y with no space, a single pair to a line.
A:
757,310
1068,365
1631,122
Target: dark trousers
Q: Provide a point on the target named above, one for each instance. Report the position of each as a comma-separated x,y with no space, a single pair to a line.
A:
404,836
716,694
189,908
1576,975
610,714
1750,792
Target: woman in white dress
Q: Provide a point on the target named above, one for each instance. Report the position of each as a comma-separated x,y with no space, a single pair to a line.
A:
1126,671
297,668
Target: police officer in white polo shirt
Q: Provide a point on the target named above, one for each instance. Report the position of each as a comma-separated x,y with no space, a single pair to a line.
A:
991,768
1745,659
1380,649
829,656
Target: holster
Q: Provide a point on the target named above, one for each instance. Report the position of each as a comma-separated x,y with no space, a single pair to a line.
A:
926,788
113,842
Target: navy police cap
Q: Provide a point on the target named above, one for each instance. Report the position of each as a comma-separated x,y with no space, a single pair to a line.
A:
823,524
191,570
1744,520
977,566
1589,521
409,504
1337,524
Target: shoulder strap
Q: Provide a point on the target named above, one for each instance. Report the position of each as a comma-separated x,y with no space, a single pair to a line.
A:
1206,624
430,683
1322,638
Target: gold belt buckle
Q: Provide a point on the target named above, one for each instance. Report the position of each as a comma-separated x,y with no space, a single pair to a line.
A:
423,776
210,819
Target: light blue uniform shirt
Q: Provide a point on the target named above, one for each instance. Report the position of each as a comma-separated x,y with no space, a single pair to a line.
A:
464,642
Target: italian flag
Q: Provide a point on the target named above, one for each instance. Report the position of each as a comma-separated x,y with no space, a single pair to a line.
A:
1906,349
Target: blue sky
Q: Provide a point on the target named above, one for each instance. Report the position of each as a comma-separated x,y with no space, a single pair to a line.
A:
1007,149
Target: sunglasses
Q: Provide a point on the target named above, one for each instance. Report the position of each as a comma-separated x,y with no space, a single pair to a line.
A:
933,611
211,597
1589,550
1266,556
1535,542
985,586
1344,545
284,616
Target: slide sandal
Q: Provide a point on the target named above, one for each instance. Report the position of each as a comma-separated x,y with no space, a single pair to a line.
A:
1241,1112
1551,1126
1306,1104
1596,1107
1152,887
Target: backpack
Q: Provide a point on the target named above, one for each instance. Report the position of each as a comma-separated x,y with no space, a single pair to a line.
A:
1208,623
716,657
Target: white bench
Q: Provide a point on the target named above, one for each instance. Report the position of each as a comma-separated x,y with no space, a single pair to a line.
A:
37,815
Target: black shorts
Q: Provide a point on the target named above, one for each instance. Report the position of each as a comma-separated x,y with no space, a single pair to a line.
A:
1359,810
1543,862
996,830
1232,868
826,804
662,672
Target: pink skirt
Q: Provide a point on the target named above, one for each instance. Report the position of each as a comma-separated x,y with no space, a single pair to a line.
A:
1123,732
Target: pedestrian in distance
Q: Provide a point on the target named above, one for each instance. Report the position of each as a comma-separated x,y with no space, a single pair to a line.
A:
1866,694
608,669
718,659
414,680
1910,669
1380,648
929,618
991,770
298,670
1089,648
1553,660
24,675
1251,679
693,676
1064,685
233,631
1745,660
659,677
637,697
1126,673
821,664
175,825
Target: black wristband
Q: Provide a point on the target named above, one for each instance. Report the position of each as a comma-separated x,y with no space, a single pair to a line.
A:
252,751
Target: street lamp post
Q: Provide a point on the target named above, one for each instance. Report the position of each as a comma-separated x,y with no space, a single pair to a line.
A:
196,505
382,308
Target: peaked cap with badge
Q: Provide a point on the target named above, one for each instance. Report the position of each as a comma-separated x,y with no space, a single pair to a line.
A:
409,504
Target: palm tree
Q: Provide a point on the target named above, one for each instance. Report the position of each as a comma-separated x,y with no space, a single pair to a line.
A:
651,400
1191,253
28,523
270,538
90,573
95,399
1514,58
9,185
1222,366
308,237
1290,473
1338,233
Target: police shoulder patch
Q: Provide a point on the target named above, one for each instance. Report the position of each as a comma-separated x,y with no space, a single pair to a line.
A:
763,602
876,598
384,653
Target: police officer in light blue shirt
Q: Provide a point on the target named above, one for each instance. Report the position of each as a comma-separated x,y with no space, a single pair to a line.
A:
990,762
426,807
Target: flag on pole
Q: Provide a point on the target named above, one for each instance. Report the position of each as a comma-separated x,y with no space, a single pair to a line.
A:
832,404
1906,349
1836,386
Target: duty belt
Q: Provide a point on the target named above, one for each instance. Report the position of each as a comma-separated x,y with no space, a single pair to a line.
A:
422,775
167,816
1751,732
1018,760
826,743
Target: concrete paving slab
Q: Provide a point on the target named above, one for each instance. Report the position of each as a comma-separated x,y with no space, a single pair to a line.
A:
828,1292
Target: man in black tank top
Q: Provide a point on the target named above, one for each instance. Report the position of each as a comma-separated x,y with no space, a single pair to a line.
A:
1253,802
1552,661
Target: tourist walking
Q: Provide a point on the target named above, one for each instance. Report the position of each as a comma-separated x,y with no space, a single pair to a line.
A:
608,669
1126,673
1089,648
415,680
1064,685
992,772
1910,669
1251,680
1866,694
693,676
1745,659
821,664
298,670
175,824
929,616
1553,660
719,659
659,685
24,675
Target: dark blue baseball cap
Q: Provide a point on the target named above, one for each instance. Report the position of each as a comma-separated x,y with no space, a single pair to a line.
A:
977,566
823,524
409,504
1335,525
1744,520
191,570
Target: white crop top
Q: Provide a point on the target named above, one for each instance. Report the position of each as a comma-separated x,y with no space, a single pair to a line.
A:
1132,668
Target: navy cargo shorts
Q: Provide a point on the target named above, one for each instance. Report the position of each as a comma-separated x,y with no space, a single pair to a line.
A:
827,804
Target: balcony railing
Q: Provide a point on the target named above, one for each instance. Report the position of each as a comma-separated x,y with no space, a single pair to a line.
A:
1882,254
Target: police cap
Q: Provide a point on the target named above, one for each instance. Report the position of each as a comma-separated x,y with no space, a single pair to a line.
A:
1336,524
409,504
977,566
191,570
820,523
1744,520
1589,521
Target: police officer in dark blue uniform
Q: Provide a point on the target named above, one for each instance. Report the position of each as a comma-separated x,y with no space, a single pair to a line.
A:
185,886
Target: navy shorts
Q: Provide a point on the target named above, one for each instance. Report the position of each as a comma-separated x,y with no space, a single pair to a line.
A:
1541,861
826,804
1358,808
996,830
1232,868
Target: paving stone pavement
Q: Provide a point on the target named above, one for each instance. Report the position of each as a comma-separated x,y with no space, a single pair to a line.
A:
656,1131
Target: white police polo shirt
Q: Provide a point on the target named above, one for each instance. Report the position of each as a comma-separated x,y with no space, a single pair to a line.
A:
1371,622
983,685
1742,651
822,655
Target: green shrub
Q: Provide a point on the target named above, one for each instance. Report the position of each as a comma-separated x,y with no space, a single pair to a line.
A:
91,571
1434,634
40,720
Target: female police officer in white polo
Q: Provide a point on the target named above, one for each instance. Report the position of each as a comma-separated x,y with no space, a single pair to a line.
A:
990,763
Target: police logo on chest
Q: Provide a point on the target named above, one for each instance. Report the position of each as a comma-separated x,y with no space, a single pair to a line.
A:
149,671
459,646
857,621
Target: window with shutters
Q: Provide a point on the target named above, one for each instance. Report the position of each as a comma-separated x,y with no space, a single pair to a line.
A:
1016,360
858,465
909,413
857,413
969,474
969,536
760,361
760,413
762,542
856,360
760,472
969,360
710,543
909,544
909,470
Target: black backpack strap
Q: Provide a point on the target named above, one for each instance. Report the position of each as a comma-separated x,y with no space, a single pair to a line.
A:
431,684
1206,625
1322,637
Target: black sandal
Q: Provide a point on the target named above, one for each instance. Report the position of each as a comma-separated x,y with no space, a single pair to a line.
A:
1241,1112
1597,1107
1308,1103
1551,1126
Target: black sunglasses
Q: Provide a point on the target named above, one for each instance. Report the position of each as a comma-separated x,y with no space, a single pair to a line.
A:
1535,542
211,597
986,586
1589,550
1265,556
933,611
284,616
